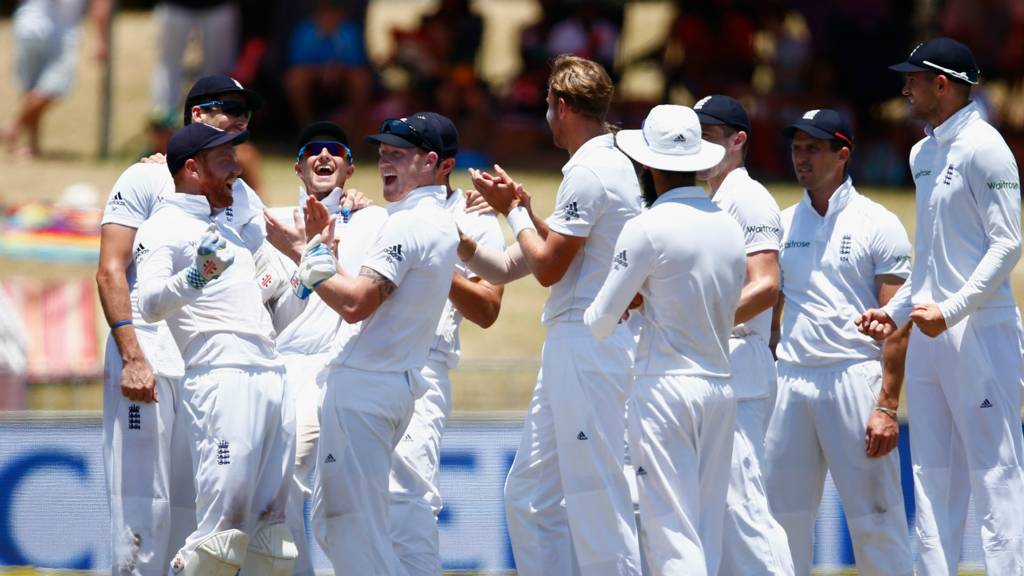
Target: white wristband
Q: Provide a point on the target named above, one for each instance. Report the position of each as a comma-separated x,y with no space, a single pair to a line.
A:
519,219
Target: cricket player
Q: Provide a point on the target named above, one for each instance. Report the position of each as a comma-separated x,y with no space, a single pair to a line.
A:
838,389
199,276
414,487
567,500
149,478
964,360
755,541
323,164
371,380
685,257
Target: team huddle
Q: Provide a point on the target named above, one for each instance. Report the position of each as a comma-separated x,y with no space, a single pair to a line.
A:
707,357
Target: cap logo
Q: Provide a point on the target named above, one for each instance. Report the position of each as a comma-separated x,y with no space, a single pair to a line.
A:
679,138
237,83
700,103
810,114
915,49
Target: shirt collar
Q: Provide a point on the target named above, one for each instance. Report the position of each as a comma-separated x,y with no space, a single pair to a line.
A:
434,194
602,141
192,204
839,199
947,130
451,201
684,193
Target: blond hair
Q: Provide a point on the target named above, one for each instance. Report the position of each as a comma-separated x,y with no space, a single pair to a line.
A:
583,84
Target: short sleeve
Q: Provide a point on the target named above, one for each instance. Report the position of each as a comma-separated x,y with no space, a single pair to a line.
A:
396,249
136,194
890,247
580,202
762,224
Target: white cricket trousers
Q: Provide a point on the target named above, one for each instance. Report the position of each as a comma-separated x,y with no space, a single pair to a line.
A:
567,501
148,470
362,417
818,426
218,29
307,393
680,441
242,429
755,543
415,493
963,404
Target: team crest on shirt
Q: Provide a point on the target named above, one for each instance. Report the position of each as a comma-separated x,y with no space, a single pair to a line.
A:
948,178
620,261
571,211
394,254
845,248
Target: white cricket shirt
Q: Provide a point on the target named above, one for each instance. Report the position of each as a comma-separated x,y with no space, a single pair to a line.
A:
757,213
134,197
416,250
319,326
968,221
685,256
829,265
224,324
483,228
598,194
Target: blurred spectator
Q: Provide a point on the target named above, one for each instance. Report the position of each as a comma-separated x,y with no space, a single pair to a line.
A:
438,59
710,48
588,29
328,64
46,47
176,20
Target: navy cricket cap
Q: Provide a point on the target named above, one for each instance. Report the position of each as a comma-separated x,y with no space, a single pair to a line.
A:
722,110
317,130
449,134
943,56
193,139
418,130
824,124
207,87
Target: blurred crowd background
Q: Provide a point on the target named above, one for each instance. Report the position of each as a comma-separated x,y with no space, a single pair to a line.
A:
310,60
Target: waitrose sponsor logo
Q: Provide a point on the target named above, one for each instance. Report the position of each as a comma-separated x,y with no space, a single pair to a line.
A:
1003,185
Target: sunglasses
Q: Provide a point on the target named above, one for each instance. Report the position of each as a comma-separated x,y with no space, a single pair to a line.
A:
403,129
231,108
310,149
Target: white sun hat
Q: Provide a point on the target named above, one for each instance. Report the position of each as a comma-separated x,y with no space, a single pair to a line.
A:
670,140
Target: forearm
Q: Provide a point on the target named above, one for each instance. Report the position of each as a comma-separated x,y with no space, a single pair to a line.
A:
499,267
899,306
113,291
755,298
347,296
478,302
894,353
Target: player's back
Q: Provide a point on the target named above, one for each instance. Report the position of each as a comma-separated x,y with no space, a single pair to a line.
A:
691,294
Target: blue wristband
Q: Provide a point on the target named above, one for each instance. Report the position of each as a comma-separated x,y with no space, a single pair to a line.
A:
121,323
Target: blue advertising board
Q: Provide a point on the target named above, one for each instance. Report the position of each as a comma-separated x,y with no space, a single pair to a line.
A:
53,508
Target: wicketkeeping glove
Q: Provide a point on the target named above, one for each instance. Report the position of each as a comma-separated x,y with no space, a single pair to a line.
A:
212,258
317,265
